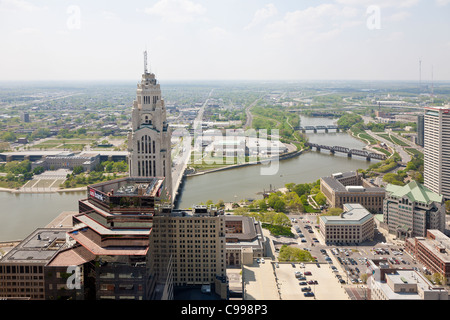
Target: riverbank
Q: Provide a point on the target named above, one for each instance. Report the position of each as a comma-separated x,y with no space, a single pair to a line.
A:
43,191
288,155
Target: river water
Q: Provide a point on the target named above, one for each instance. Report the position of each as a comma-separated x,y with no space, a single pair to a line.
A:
249,182
22,213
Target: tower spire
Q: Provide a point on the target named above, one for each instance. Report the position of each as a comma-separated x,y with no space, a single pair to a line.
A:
145,62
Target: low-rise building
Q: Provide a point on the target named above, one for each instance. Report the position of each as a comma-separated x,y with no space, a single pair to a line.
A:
389,283
69,160
348,187
354,225
433,251
244,240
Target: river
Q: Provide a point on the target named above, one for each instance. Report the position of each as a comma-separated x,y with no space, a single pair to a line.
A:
249,182
22,213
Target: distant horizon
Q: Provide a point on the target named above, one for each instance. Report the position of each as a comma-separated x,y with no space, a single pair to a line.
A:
201,40
225,80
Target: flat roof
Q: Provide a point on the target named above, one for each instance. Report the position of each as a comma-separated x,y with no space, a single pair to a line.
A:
130,186
337,186
354,213
39,247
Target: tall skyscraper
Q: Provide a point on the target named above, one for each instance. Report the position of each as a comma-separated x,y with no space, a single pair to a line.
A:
420,130
437,150
149,143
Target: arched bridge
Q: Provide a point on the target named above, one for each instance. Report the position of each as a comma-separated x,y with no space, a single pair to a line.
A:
348,151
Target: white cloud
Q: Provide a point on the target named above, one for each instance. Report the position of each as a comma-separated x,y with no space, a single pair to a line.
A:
314,22
442,3
108,15
180,11
28,31
17,5
399,16
381,3
262,14
218,33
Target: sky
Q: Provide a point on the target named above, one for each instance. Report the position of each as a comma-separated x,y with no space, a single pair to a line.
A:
225,39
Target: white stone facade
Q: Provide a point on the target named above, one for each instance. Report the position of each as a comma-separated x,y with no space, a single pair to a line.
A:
149,143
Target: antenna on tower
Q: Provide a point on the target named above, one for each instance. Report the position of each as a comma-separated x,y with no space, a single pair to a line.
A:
432,85
145,62
420,75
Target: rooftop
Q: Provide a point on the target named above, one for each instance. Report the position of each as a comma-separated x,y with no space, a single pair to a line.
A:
354,213
334,183
415,191
39,247
130,187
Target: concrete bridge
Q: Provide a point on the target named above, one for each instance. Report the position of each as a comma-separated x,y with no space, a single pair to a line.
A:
316,128
348,151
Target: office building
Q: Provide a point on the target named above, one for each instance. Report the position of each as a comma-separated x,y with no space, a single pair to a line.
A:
114,224
410,210
149,144
26,270
433,251
349,187
437,150
354,225
420,130
193,244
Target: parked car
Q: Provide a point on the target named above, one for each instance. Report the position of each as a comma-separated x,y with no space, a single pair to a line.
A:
306,289
308,294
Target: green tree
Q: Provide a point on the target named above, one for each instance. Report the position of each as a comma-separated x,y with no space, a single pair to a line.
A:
280,219
320,199
8,136
280,205
290,186
78,169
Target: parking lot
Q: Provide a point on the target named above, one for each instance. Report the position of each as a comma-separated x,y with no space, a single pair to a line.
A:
327,286
348,259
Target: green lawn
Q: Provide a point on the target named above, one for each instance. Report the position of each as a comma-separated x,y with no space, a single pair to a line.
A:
387,153
368,137
414,152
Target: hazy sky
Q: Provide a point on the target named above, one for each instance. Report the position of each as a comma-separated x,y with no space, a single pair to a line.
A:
225,39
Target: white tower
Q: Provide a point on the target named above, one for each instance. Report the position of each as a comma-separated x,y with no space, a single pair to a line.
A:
149,143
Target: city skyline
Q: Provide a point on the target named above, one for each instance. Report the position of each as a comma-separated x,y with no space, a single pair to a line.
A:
201,40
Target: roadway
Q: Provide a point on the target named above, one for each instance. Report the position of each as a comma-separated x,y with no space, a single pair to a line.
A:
406,157
181,160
